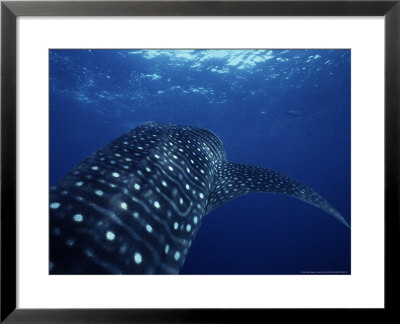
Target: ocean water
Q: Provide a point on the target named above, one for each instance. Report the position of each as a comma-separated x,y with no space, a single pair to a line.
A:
288,110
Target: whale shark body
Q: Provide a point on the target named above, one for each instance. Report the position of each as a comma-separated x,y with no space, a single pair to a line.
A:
134,206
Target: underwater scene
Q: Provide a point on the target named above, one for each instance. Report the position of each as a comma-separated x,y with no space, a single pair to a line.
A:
167,161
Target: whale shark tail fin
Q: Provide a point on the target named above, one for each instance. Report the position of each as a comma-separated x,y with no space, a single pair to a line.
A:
236,179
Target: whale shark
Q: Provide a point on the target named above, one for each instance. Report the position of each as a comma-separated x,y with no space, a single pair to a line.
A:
135,205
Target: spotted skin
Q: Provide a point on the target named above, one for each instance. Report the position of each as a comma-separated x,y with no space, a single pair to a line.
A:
134,206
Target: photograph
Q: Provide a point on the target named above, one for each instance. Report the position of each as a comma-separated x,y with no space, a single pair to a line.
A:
199,161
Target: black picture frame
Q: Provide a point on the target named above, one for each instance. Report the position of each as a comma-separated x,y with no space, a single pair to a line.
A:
10,10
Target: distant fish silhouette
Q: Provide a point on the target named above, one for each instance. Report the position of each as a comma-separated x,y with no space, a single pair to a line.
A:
294,113
134,206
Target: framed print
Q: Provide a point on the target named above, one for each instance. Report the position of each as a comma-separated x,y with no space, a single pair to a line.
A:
134,138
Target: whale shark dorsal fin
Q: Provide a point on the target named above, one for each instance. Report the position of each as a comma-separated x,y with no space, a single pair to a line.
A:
236,179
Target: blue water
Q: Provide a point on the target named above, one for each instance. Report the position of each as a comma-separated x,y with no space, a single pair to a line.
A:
287,110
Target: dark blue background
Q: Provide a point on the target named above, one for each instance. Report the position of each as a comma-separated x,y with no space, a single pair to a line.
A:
287,110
